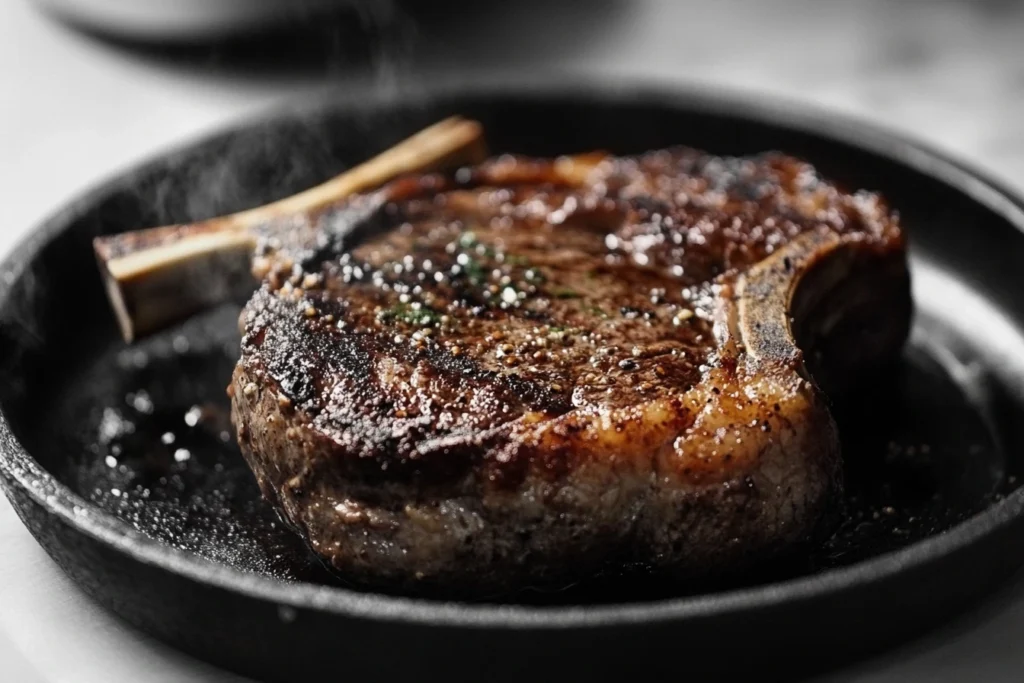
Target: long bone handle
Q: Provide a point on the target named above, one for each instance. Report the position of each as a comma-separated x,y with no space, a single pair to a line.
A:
157,276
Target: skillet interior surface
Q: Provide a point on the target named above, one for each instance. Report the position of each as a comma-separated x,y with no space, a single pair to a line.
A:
135,441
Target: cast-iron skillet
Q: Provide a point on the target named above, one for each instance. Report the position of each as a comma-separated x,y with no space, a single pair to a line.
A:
172,536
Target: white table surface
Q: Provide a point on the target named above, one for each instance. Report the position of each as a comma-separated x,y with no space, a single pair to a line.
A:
74,110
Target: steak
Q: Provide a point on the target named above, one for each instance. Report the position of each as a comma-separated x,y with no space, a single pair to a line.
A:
536,370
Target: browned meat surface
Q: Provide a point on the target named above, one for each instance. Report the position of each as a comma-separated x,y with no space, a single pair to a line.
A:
536,370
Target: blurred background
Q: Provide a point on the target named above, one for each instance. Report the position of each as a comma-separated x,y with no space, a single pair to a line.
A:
91,86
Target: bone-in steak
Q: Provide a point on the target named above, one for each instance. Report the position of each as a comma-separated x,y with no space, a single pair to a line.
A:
534,370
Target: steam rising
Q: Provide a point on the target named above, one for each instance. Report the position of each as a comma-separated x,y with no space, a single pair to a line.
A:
296,156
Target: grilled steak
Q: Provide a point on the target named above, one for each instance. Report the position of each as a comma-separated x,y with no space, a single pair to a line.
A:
534,370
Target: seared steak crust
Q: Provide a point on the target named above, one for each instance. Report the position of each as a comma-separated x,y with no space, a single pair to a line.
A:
537,369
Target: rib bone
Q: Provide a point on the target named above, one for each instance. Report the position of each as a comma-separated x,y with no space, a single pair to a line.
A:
157,276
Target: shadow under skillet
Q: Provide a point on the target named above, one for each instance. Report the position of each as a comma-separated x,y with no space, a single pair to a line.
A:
368,38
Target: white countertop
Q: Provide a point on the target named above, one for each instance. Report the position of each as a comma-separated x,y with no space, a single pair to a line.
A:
73,110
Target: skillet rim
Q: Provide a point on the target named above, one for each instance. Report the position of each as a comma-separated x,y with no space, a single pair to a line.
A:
19,468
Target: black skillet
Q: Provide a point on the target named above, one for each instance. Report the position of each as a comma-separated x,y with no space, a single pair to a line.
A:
172,536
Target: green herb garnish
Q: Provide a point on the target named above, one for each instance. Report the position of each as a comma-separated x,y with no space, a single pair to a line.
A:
474,270
410,314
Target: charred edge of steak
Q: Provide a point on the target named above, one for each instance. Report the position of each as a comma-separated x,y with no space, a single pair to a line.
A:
853,329
458,539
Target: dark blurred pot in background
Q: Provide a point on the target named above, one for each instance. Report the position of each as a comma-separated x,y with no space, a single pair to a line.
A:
189,21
